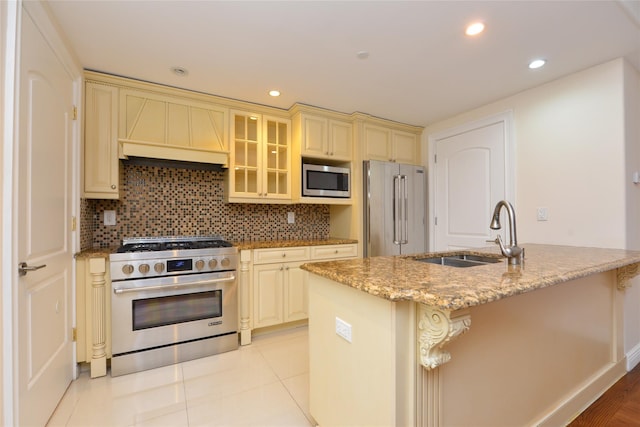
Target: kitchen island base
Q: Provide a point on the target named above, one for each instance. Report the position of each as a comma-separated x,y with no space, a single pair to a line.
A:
538,358
371,380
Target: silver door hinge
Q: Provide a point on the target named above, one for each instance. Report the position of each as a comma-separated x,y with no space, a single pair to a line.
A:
75,113
436,220
435,158
74,334
73,223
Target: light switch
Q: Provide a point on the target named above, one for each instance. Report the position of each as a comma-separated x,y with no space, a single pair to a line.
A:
291,217
543,214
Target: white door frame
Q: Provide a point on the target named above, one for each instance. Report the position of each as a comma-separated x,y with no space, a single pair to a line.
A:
10,13
505,117
10,17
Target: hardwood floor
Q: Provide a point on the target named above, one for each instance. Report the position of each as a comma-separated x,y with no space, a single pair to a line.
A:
619,406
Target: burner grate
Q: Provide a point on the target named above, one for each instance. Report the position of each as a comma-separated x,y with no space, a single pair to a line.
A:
152,244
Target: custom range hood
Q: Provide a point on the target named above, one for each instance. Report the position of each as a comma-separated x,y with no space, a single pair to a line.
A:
154,126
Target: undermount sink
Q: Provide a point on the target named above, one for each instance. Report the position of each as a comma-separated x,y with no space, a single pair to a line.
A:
463,260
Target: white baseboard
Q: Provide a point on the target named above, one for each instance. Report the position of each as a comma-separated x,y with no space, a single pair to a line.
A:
579,401
633,357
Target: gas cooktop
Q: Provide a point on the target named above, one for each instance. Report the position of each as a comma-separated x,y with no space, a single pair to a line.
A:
147,257
155,244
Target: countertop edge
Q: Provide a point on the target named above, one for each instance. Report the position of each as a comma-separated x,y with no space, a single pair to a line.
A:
261,244
467,295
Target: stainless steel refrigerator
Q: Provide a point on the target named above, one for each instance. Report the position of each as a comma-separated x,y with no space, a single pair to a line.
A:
394,209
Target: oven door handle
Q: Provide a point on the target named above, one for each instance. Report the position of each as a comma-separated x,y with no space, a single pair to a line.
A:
182,286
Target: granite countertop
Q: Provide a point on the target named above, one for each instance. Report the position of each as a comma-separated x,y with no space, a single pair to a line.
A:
265,244
262,244
96,252
449,288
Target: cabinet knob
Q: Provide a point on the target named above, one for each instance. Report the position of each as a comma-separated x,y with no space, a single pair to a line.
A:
113,186
284,255
336,251
287,268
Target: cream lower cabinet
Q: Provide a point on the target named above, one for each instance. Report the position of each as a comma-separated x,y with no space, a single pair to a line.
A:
279,286
93,313
279,294
273,289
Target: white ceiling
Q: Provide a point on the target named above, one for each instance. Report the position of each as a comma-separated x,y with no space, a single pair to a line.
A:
421,67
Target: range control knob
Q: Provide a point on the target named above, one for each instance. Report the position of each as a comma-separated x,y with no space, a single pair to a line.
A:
225,262
199,264
144,268
127,269
213,263
159,267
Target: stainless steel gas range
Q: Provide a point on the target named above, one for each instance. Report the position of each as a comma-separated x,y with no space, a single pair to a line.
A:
173,299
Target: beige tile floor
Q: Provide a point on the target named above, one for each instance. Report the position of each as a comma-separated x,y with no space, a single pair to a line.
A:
262,384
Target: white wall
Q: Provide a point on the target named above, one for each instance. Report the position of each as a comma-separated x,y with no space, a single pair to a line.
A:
577,140
569,138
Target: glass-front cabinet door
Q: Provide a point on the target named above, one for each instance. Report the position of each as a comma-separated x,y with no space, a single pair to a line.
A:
260,158
245,163
276,173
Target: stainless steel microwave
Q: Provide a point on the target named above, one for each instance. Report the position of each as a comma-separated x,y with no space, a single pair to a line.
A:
325,181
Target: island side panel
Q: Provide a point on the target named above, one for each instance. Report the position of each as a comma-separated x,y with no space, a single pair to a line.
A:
534,359
371,380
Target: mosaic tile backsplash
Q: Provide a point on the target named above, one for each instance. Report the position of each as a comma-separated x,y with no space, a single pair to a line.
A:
165,201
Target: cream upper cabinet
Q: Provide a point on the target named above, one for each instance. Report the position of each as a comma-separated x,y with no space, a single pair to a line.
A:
260,159
325,138
388,144
169,127
101,164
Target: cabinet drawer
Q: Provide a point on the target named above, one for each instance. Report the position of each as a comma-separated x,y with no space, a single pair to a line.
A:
333,251
263,256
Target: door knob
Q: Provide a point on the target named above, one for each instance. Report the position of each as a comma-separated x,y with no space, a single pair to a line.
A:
23,268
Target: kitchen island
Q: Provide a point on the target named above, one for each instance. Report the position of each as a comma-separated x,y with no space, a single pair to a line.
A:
395,341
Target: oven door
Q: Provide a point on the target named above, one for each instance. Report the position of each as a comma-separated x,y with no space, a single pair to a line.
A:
154,312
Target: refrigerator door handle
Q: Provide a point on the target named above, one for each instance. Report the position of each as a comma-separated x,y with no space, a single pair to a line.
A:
396,211
405,209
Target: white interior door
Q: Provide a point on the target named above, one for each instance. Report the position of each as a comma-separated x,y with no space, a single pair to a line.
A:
44,199
470,176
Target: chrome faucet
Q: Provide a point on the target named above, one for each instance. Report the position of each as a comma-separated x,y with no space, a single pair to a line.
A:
514,253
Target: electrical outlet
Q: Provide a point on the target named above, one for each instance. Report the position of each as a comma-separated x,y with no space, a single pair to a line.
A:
109,217
343,329
291,217
543,214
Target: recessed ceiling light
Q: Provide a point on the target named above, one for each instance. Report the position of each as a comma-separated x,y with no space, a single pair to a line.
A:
537,63
363,54
179,71
474,29
274,92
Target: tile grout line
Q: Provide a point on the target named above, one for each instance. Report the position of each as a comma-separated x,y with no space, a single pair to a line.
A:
186,398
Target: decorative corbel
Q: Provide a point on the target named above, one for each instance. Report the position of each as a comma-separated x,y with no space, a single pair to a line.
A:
626,273
436,328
